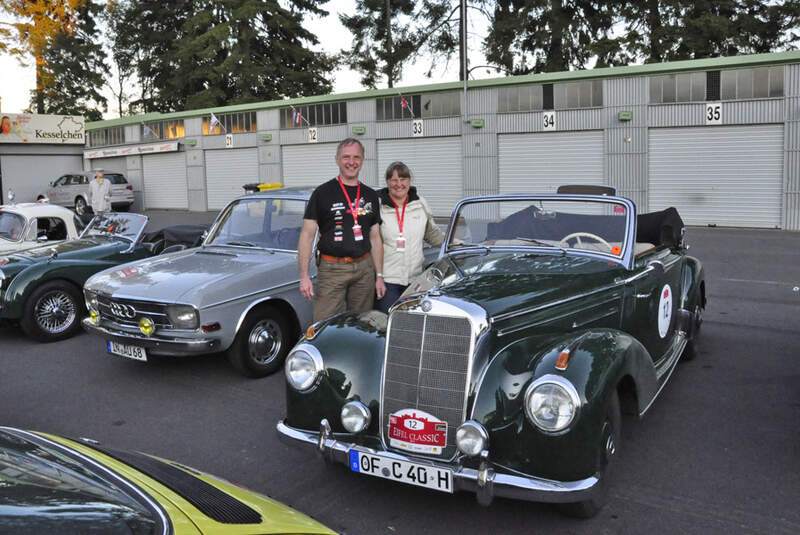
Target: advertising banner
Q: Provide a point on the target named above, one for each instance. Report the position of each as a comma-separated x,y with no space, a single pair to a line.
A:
50,129
166,146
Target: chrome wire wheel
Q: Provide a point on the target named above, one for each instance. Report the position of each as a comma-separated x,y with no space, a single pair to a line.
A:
265,341
55,312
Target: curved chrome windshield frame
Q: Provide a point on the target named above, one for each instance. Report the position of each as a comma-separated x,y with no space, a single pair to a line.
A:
626,259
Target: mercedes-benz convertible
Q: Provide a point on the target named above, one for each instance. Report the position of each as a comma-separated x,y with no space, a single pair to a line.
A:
504,369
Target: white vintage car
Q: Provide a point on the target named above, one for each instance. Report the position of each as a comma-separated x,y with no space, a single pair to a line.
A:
27,225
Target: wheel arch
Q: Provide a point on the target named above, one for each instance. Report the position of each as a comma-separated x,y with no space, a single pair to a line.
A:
26,282
281,305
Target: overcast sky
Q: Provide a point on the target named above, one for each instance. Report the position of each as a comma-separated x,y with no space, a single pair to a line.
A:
19,81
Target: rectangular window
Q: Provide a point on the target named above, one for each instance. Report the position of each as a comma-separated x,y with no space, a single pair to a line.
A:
744,83
698,86
392,109
313,115
713,83
683,90
776,81
668,90
548,99
230,123
576,95
656,83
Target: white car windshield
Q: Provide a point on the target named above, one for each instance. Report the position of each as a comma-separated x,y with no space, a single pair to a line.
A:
599,225
11,226
260,222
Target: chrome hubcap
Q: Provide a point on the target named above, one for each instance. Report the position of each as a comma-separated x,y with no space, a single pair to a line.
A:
265,341
55,312
80,207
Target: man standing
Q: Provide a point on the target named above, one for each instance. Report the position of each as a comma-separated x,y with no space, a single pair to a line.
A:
347,214
99,193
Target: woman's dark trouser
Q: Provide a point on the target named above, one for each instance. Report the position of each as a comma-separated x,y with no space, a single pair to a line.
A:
393,292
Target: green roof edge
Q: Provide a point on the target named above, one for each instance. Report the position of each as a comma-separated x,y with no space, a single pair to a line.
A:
775,58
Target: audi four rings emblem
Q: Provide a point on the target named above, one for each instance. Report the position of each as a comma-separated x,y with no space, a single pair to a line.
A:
122,311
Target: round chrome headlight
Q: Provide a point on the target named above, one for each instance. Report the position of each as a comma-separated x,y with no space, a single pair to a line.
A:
355,416
303,366
471,438
551,403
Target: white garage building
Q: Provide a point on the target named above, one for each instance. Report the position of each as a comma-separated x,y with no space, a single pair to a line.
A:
717,138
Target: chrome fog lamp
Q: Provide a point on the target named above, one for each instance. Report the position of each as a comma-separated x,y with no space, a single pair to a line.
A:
94,316
355,416
303,366
551,403
471,438
183,316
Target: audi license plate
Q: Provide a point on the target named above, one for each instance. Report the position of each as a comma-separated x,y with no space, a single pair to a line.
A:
124,350
403,471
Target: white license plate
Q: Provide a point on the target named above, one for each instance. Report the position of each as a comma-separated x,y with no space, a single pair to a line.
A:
124,350
405,472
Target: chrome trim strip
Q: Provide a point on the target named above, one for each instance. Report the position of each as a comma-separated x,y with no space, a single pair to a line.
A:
504,332
528,488
251,294
157,345
165,521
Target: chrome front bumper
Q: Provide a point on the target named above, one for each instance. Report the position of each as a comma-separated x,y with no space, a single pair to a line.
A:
154,344
485,482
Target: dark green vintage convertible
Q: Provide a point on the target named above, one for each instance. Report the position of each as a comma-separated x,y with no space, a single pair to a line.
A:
503,370
41,288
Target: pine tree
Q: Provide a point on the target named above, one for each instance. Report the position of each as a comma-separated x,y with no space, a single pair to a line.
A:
74,70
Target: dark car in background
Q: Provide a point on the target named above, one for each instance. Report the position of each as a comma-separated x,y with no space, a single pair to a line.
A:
72,190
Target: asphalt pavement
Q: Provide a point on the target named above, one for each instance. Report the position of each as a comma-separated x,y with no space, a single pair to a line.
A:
718,453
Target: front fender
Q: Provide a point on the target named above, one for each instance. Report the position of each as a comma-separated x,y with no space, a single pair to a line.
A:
352,348
26,282
599,361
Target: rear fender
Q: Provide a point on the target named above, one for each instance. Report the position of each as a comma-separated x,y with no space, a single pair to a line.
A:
352,348
599,361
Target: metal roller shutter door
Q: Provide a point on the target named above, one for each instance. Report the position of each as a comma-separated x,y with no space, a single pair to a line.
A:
435,165
111,164
725,175
308,165
226,172
540,163
165,183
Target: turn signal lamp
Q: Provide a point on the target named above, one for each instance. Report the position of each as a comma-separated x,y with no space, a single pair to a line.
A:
147,326
563,360
310,331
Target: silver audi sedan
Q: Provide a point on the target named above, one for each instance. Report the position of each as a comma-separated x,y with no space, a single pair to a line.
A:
238,292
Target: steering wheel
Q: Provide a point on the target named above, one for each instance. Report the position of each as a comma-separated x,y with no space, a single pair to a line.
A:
578,235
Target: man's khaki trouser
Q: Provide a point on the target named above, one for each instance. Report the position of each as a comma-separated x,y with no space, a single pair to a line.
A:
341,283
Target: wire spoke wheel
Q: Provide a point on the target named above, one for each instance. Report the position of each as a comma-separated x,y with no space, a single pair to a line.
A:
55,312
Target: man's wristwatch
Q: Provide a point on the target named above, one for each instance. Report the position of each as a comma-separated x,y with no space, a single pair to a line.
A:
379,275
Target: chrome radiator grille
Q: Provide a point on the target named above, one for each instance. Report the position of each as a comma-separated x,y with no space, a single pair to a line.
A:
427,366
128,311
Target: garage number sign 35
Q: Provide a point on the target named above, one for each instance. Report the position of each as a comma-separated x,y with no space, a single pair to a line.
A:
713,113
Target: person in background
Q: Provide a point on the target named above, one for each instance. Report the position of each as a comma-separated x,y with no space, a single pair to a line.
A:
5,125
99,193
407,223
347,215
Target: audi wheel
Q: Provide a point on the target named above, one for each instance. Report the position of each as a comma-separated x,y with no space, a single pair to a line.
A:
53,312
262,343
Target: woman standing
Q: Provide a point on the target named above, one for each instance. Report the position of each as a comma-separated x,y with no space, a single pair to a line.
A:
407,223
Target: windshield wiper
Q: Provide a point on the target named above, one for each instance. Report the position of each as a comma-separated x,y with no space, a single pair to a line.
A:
542,244
240,243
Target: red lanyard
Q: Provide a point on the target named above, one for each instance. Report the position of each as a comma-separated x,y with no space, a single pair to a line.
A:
400,218
353,211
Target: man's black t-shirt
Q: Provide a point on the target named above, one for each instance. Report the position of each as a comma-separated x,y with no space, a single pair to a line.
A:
329,208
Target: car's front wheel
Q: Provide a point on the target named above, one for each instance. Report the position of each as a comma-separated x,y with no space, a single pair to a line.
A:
262,343
607,455
52,312
80,206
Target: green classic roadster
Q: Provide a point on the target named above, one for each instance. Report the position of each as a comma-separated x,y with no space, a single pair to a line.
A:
41,288
504,369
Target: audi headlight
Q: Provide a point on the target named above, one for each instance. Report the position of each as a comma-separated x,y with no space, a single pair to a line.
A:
551,403
355,416
303,366
91,300
471,438
183,316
